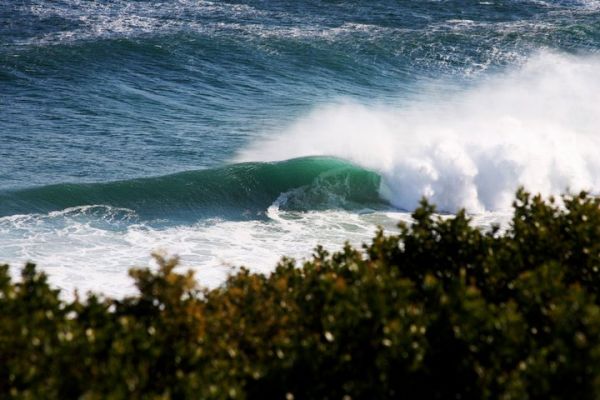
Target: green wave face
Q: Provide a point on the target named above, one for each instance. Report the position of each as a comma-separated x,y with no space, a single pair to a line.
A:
238,191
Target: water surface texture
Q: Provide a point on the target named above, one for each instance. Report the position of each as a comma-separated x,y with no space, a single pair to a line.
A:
236,132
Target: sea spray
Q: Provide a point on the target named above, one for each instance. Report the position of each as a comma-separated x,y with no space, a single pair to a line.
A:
536,126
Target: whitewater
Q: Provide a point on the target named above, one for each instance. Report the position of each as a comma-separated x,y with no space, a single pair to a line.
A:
535,127
235,133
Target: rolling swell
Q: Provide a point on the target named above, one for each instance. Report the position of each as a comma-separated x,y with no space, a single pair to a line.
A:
239,191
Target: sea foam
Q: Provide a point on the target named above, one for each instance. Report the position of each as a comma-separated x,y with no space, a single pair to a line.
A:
535,126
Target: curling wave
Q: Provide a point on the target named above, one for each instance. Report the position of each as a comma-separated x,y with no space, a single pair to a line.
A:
536,127
243,191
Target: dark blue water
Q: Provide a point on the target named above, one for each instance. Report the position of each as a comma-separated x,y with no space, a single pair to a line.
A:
235,132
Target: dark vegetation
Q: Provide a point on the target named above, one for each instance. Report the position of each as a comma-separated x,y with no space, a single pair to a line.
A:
441,310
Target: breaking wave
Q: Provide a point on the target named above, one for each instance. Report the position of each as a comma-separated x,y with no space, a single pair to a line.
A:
243,190
536,127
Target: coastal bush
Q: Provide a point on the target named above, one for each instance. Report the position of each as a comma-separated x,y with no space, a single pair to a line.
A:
441,309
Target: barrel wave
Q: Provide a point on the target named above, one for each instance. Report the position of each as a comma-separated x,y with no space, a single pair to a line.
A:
235,191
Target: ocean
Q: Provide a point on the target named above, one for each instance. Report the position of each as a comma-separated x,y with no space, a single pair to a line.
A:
236,132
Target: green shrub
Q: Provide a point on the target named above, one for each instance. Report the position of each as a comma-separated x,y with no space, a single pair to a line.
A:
440,310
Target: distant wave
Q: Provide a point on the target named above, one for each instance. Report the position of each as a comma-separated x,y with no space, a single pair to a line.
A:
396,36
536,126
236,191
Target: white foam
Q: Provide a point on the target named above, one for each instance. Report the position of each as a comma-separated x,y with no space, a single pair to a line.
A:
537,127
79,252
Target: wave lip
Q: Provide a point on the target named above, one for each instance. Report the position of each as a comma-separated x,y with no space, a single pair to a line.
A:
238,191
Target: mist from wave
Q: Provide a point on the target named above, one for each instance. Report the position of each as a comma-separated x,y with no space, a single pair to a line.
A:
536,126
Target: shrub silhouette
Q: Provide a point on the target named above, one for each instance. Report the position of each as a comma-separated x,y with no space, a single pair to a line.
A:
439,310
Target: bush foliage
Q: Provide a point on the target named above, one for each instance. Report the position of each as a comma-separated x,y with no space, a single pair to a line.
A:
439,310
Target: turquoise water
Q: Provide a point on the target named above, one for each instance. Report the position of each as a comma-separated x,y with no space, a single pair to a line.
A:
235,132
